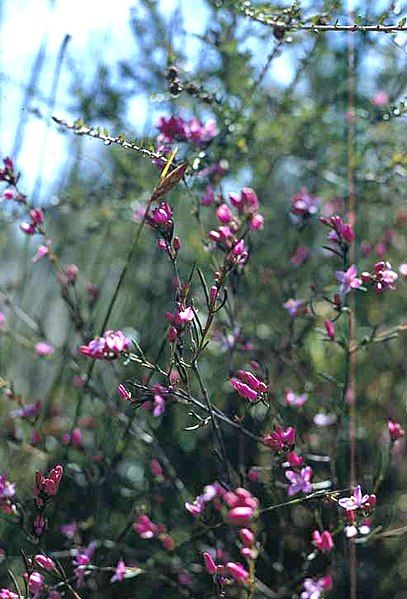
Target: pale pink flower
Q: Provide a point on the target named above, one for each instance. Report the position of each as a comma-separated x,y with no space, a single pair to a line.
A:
42,348
395,430
42,251
120,572
355,501
145,527
315,587
380,99
292,399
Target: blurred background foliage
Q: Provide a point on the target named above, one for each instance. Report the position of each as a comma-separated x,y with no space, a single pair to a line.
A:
277,133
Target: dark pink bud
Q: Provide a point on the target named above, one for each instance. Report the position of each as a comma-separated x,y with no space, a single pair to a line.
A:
210,565
237,571
330,328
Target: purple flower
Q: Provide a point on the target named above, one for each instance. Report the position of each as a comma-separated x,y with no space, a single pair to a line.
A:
82,559
120,572
348,279
299,481
293,306
314,587
355,501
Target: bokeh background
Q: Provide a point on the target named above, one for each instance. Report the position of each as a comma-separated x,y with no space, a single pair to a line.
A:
281,128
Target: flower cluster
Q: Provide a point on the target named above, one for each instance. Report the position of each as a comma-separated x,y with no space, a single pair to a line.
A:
108,347
322,541
35,224
248,385
83,558
341,233
280,439
358,510
242,506
147,529
382,278
178,319
175,128
7,173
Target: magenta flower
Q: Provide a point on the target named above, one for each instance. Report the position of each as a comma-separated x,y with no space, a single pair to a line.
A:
355,501
348,279
2,320
161,216
171,129
300,255
237,571
242,506
330,329
35,583
294,460
209,562
322,540
299,481
248,385
209,196
224,214
341,232
384,277
7,492
145,527
7,594
124,394
44,562
7,173
28,412
281,439
120,572
395,430
200,134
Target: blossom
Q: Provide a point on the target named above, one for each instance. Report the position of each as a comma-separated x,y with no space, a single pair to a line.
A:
292,399
382,277
299,481
2,320
42,348
42,251
44,562
120,572
171,128
248,385
177,129
47,486
281,439
355,501
209,493
209,562
341,232
35,583
199,133
7,173
380,98
294,460
395,430
330,328
293,306
314,587
7,594
237,571
108,347
83,557
348,279
156,469
224,214
322,540
322,419
304,204
161,216
403,269
242,506
69,529
145,527
209,196
123,392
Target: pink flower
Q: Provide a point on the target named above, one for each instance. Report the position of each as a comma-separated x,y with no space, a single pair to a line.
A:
30,411
145,527
7,492
348,279
124,394
161,216
44,562
395,430
47,486
7,173
299,481
355,501
256,222
380,99
108,347
403,269
292,399
322,540
242,506
35,583
156,469
304,205
248,385
199,134
2,320
341,232
294,459
384,277
224,214
281,439
330,329
71,271
120,572
42,251
239,253
44,349
7,594
237,571
209,562
69,530
246,536
171,129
